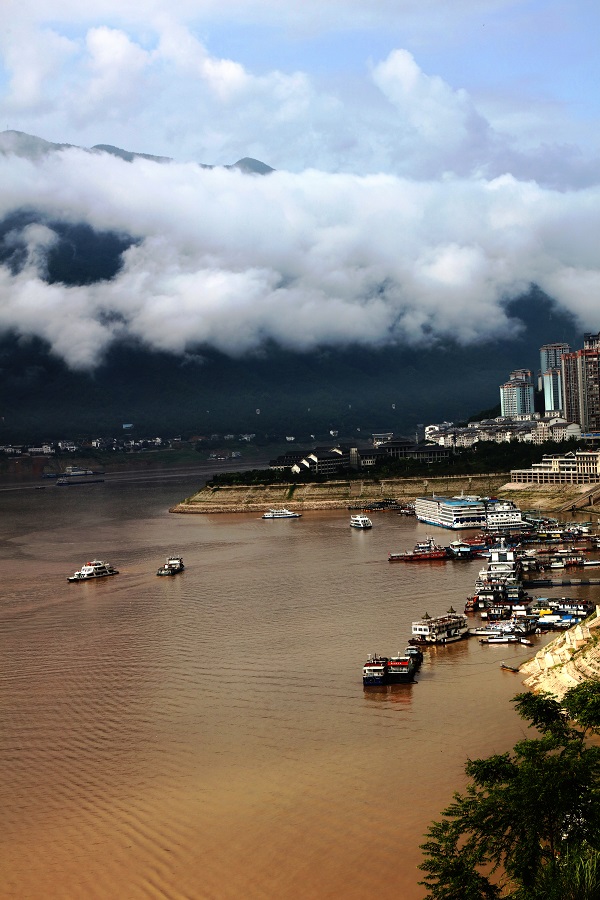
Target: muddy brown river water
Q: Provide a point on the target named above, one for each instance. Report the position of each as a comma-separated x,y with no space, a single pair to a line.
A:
208,735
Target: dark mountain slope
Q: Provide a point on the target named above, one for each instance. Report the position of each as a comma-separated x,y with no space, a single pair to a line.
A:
296,393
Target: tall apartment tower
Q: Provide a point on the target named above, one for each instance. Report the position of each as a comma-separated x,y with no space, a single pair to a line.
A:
516,397
550,368
581,384
552,385
550,355
521,375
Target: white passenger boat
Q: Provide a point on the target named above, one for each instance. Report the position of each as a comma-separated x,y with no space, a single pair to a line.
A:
441,629
360,522
94,569
281,514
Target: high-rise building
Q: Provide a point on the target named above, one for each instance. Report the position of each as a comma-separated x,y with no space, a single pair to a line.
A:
552,382
581,384
550,355
521,375
550,370
516,397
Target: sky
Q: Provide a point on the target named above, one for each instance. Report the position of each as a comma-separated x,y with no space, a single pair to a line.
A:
433,160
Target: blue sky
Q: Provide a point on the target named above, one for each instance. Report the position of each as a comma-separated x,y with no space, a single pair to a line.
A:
433,161
124,73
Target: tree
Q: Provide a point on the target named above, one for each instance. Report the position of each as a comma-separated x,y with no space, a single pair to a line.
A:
528,825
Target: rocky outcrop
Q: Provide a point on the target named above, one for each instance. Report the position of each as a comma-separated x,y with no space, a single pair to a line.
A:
569,659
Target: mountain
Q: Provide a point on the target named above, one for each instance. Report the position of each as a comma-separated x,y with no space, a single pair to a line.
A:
278,392
34,148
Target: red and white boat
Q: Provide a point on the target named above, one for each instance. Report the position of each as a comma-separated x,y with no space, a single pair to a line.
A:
423,550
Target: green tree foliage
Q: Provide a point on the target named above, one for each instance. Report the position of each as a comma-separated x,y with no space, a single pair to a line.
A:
528,825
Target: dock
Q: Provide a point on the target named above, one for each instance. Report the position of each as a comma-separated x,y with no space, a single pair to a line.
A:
559,582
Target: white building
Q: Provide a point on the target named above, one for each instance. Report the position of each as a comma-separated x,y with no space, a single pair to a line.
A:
516,397
576,467
552,381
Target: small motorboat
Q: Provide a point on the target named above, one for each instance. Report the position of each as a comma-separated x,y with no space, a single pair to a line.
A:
172,566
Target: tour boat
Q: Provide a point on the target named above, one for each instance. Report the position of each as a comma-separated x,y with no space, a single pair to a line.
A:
440,629
94,569
360,521
281,514
173,565
423,550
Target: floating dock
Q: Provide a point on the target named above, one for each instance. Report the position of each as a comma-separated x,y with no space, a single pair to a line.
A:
558,582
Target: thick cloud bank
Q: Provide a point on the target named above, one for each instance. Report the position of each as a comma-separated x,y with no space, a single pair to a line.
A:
311,259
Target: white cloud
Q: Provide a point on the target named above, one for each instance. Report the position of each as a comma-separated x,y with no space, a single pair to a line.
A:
304,259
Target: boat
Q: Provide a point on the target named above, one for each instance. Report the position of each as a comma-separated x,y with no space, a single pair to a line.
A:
71,480
509,668
172,566
281,514
400,669
461,550
375,670
360,521
423,550
468,512
94,569
500,639
440,629
416,653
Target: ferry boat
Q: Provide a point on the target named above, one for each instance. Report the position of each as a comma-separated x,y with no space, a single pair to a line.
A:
360,521
94,569
416,653
500,581
400,669
172,566
461,550
281,514
423,550
375,670
440,629
468,512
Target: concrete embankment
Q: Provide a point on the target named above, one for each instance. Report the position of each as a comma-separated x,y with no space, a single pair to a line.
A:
568,660
343,493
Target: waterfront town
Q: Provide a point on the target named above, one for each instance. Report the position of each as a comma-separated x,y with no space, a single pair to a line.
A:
565,390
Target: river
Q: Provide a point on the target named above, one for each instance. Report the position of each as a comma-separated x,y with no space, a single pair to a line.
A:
208,735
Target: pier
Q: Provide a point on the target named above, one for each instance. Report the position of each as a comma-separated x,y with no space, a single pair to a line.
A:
559,582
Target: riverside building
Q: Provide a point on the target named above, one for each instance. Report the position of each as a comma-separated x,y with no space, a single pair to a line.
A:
516,395
575,467
581,384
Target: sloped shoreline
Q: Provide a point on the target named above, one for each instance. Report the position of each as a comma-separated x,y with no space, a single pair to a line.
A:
341,493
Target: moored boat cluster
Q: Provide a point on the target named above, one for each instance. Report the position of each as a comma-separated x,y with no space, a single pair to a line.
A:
399,669
501,599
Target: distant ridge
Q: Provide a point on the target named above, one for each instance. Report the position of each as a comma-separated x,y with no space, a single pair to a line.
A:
127,155
31,147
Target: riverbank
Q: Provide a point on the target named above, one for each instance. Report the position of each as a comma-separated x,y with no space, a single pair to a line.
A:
342,493
568,660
